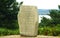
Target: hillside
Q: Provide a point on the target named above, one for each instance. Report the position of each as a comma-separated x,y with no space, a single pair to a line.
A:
43,11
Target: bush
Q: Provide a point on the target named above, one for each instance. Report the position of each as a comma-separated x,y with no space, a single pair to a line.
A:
4,31
13,24
50,31
45,31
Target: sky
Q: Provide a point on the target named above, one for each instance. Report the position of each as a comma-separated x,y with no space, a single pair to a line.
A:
42,4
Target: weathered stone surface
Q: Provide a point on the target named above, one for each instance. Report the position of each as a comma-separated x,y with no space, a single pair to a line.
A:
28,20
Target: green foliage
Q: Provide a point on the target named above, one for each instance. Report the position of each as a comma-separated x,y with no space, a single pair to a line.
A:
55,15
59,6
45,31
8,14
4,31
21,3
50,26
50,31
45,22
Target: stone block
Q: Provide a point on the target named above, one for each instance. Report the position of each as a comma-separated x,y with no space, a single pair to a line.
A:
28,20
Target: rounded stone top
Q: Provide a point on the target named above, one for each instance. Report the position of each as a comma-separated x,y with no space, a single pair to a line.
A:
28,6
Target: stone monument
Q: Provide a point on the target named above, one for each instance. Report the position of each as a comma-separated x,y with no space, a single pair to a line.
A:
28,21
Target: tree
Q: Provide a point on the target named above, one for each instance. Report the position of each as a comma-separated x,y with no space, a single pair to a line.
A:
59,6
55,18
55,15
21,3
45,22
8,13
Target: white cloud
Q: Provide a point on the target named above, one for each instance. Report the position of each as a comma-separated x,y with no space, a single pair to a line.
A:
42,4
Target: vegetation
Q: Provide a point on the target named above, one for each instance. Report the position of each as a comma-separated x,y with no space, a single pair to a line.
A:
9,23
8,14
49,31
50,26
8,17
4,31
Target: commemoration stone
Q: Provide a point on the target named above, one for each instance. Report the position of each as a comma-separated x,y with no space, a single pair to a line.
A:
28,20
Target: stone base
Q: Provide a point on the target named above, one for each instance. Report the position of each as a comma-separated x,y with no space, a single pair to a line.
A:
26,37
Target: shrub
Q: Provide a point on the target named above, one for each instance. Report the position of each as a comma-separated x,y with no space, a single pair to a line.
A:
4,31
50,31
